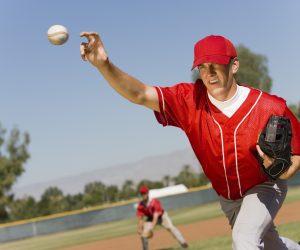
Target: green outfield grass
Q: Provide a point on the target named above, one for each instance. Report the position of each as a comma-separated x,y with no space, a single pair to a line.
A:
109,230
127,227
293,194
291,230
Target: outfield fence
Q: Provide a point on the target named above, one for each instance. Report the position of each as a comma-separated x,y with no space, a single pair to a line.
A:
102,214
88,217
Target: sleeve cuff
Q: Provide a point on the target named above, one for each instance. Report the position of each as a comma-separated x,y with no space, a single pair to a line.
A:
161,116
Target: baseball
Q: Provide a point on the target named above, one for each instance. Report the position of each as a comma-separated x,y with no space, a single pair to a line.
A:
57,34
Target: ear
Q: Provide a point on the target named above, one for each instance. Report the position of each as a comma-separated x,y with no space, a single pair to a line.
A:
235,65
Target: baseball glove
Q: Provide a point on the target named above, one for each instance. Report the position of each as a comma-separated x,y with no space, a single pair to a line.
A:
148,234
275,142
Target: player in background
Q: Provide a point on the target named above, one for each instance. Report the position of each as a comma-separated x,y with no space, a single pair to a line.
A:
222,120
154,214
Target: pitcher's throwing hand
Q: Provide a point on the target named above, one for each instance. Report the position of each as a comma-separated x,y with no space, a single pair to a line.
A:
93,50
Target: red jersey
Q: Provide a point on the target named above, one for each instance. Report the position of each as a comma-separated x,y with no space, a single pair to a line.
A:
148,209
225,146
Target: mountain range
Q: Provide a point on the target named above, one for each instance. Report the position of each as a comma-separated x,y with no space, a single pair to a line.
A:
152,168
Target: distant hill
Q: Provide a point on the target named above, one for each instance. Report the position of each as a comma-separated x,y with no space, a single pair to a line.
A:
151,168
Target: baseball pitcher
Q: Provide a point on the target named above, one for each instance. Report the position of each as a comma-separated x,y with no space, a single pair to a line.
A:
247,141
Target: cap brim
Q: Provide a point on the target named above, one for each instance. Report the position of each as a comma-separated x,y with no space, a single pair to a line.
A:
219,59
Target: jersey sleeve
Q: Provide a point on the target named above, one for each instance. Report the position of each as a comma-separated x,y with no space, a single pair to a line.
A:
175,105
295,131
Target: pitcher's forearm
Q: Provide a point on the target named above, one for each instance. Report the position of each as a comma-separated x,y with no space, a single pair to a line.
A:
126,85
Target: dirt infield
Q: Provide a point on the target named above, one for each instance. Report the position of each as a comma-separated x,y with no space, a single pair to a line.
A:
192,232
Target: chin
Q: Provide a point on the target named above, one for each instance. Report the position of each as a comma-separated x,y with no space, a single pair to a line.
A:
217,91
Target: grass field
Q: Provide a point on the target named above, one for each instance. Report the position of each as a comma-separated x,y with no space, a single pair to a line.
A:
291,230
126,227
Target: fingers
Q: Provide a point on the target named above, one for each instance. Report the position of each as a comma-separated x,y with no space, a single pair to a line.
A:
92,37
82,51
93,50
260,152
93,40
89,34
267,161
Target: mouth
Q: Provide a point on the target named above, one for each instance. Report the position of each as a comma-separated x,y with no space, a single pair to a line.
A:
213,81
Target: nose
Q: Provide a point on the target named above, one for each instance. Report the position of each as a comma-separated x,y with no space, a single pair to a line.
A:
211,69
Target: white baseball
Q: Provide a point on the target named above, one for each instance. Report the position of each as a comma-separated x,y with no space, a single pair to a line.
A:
58,34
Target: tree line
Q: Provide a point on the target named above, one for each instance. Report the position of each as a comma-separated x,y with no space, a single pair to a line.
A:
53,200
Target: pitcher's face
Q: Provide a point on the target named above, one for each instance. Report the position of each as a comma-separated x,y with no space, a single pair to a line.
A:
218,79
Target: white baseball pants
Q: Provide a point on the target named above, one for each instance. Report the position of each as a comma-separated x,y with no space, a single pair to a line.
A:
251,218
167,224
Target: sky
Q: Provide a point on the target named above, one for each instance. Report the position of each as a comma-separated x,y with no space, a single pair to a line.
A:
76,122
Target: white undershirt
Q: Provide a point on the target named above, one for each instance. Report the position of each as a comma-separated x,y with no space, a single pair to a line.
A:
229,107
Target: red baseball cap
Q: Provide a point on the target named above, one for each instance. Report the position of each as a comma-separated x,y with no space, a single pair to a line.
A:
214,49
144,189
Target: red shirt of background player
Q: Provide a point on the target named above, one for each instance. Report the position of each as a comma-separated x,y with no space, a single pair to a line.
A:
148,208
